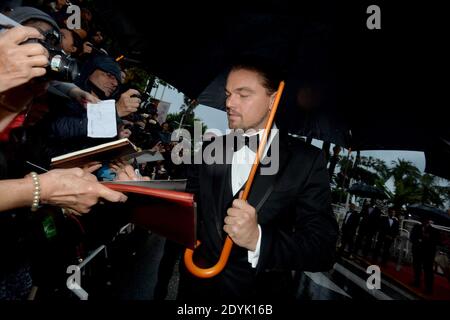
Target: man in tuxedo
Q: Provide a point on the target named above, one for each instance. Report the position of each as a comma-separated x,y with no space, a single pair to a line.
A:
425,239
368,227
388,230
286,225
349,226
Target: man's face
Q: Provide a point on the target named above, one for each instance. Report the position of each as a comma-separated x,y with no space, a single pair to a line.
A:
67,41
248,103
104,81
42,26
52,35
86,15
97,37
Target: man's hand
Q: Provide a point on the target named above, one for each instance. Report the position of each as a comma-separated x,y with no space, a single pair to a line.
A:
128,104
83,97
87,47
125,172
19,63
158,147
124,133
241,224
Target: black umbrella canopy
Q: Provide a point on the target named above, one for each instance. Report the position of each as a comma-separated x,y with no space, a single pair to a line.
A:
366,191
438,158
346,84
429,212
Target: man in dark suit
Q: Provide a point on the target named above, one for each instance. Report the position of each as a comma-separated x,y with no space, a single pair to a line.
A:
368,227
425,239
286,225
349,226
388,231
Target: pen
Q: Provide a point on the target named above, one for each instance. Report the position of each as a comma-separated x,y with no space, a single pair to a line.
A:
36,166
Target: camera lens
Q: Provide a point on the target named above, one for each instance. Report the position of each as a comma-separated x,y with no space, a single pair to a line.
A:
62,67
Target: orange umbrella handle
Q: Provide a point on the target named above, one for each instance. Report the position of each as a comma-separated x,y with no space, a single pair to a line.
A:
220,265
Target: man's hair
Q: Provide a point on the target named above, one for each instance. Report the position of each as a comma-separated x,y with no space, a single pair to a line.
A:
270,73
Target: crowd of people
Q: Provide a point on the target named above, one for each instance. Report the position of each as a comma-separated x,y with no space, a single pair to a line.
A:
371,234
369,230
42,115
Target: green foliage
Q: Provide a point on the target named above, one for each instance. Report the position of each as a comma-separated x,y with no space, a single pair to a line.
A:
410,185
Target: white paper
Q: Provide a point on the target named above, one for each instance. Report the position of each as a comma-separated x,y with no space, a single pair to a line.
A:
102,121
148,157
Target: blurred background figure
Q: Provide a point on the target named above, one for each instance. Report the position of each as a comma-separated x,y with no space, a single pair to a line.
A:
424,240
348,230
388,231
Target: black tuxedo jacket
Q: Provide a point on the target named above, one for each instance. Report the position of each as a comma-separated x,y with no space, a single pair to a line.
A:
349,227
299,229
370,222
388,230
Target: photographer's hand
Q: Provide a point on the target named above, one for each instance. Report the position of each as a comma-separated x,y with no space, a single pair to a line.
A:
124,133
82,97
158,147
125,172
20,62
128,104
87,48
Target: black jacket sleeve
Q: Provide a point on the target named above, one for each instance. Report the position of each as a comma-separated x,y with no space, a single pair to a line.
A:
311,245
68,127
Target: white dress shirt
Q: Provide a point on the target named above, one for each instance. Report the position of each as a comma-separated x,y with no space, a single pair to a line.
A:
240,169
391,221
349,213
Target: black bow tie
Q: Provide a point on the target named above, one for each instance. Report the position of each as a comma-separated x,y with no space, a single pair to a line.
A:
252,142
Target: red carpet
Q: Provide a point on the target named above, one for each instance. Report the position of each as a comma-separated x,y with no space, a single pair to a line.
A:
404,277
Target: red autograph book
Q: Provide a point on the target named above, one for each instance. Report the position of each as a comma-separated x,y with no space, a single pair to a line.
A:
171,214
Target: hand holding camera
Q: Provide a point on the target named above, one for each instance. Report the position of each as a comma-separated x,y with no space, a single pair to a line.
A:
128,103
19,63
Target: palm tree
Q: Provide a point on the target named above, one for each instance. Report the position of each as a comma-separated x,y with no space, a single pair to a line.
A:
342,178
383,175
406,182
186,122
430,191
403,169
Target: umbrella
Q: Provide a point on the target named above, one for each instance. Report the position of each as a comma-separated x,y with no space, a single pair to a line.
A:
329,94
438,158
366,191
346,85
438,216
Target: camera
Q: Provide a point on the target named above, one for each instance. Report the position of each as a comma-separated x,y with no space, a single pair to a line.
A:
61,66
